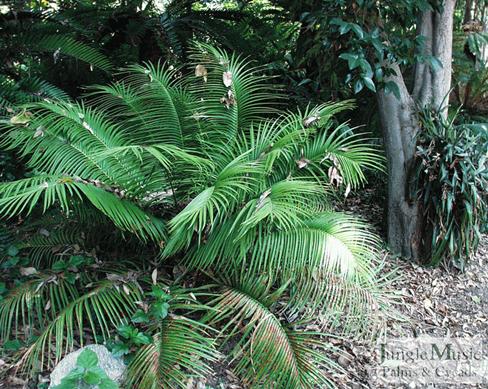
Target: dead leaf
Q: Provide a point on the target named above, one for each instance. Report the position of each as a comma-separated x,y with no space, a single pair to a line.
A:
87,126
47,307
262,198
27,271
227,79
348,190
44,232
302,163
154,276
56,55
334,176
39,132
22,118
427,304
17,381
307,122
228,99
201,71
476,299
126,289
178,271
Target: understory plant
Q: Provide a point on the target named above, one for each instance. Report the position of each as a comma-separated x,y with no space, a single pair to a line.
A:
87,374
184,220
452,179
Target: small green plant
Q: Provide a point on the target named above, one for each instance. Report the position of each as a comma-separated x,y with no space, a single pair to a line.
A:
452,181
87,374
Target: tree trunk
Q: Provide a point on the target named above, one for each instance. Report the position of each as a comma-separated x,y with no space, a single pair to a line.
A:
400,126
468,11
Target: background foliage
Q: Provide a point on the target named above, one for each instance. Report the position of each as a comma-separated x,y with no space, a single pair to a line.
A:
176,200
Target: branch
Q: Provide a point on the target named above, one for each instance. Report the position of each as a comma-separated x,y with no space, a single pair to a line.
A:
432,86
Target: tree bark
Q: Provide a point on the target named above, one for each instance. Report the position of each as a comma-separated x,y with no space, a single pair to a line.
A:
431,87
400,125
468,11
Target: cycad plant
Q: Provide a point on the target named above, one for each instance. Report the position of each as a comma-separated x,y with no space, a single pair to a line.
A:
238,245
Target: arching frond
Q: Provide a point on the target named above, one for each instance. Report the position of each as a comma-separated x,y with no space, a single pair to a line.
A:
271,353
27,90
66,45
228,190
229,110
24,195
333,242
101,310
30,302
180,350
350,308
151,103
44,249
283,206
349,153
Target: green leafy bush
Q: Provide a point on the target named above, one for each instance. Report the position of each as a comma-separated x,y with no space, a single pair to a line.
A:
238,247
87,374
452,181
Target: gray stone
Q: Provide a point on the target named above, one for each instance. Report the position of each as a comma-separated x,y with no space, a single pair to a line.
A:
114,367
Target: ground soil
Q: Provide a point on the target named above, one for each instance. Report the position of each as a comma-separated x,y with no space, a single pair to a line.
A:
438,302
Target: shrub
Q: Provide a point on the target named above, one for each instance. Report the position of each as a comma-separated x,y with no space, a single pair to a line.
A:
237,243
452,181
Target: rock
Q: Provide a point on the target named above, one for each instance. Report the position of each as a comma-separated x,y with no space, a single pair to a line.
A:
344,361
113,367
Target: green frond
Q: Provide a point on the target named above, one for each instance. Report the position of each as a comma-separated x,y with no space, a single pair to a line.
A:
125,214
270,353
43,250
284,205
66,45
350,308
24,195
167,156
66,138
27,90
155,108
180,350
350,153
228,190
28,305
39,89
332,242
251,97
101,310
